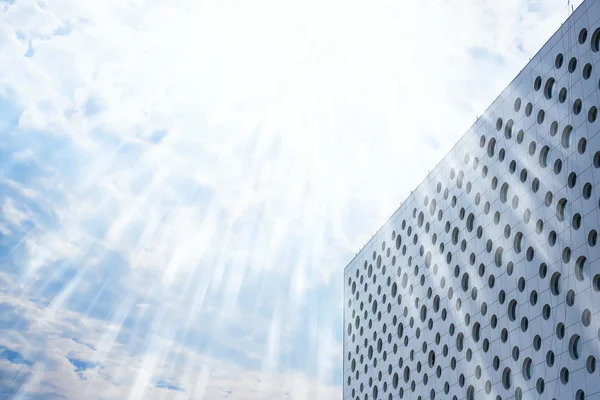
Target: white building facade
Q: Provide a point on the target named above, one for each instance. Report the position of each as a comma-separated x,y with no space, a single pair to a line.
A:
485,283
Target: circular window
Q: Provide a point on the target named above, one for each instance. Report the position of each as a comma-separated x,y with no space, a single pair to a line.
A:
570,298
575,346
592,237
540,117
491,146
544,156
543,270
582,36
586,317
527,369
590,364
535,185
577,106
572,64
558,62
506,378
504,192
582,145
528,109
587,71
566,136
562,95
548,199
595,43
572,180
518,242
498,256
581,269
592,114
512,310
549,88
499,124
564,375
555,283
557,166
566,255
560,209
508,129
537,83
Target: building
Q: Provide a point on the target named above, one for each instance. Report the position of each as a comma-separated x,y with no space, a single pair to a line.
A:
485,283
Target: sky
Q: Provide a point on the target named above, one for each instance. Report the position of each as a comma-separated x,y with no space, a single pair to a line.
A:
182,183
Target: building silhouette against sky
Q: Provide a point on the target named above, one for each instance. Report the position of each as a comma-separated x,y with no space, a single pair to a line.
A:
485,283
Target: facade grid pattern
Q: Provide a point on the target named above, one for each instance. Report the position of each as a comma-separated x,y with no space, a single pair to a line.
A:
485,283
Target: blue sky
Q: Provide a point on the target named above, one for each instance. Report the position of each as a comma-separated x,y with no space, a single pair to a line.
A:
182,183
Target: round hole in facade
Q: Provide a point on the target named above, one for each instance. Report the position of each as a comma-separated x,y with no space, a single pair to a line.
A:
528,109
498,256
586,317
595,42
512,310
540,385
530,254
539,226
553,128
460,342
570,298
556,283
582,145
576,221
491,147
587,71
566,255
523,175
558,61
562,95
540,117
544,156
566,136
550,358
582,36
517,105
546,311
470,393
549,88
504,192
518,242
557,166
537,83
535,185
592,237
592,114
572,180
508,129
572,64
575,346
590,364
506,378
577,106
561,209
581,268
